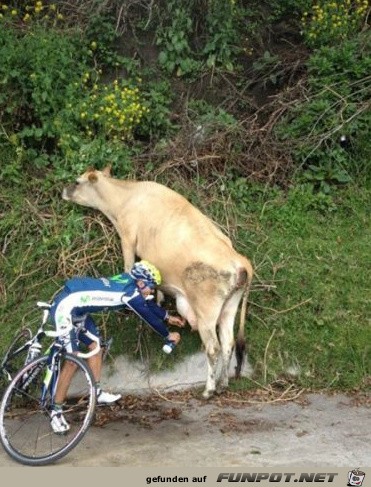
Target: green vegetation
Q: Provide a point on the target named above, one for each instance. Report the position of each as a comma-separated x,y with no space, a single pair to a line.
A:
268,134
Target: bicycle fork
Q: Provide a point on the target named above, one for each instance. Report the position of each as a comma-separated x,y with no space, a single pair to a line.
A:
50,381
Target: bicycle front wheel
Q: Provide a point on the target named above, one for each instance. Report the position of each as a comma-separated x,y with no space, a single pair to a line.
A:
25,429
15,357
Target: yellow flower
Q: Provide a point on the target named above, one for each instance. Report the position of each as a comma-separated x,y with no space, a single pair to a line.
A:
93,45
14,12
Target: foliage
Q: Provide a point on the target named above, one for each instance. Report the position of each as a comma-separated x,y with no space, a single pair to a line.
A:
223,26
285,8
336,108
200,118
173,39
309,287
156,122
330,22
55,103
30,12
112,110
205,114
101,38
191,41
40,72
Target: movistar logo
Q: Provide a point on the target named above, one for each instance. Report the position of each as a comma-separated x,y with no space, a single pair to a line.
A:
85,299
120,279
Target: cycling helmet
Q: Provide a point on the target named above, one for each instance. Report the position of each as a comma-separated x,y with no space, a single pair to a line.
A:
147,272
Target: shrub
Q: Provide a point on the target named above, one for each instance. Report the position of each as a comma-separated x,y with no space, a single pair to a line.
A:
224,34
55,105
111,110
329,128
40,72
330,22
28,13
173,38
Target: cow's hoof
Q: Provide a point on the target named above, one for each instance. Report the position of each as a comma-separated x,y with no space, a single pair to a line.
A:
221,388
207,394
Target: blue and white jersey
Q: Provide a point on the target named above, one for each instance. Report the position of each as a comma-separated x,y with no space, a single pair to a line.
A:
82,295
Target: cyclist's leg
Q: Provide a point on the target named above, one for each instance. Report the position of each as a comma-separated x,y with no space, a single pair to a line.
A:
61,318
95,363
60,314
64,380
68,370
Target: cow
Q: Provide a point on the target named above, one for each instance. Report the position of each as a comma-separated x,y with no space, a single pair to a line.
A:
198,263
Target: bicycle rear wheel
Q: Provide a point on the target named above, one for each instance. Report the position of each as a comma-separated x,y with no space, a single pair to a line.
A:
25,430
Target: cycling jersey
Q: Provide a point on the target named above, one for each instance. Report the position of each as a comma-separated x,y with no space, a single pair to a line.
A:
83,295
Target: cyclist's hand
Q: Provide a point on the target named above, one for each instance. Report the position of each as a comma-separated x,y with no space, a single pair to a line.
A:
174,337
176,321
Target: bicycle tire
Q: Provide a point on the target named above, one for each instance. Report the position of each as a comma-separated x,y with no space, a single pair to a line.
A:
11,364
25,430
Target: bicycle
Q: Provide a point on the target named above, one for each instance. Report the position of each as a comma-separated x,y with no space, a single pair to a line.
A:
24,347
25,410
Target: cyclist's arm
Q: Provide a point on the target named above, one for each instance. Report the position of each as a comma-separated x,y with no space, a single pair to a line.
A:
159,311
152,314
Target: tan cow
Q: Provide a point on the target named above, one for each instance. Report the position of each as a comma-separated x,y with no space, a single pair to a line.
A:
199,266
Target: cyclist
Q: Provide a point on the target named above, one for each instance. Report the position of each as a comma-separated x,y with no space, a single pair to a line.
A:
83,295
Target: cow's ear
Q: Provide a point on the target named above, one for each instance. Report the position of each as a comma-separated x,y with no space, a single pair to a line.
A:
92,178
107,171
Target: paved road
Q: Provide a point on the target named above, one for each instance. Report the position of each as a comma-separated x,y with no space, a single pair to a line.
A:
183,431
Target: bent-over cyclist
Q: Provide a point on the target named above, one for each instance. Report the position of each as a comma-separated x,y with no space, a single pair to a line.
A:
83,295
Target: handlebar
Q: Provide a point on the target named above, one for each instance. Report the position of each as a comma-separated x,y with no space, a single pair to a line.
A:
46,307
96,349
56,334
67,329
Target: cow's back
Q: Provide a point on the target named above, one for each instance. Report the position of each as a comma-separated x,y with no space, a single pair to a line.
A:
170,229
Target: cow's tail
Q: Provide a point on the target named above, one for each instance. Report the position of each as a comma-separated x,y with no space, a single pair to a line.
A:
240,348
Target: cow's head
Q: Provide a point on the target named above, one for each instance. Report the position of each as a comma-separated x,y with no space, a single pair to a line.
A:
85,191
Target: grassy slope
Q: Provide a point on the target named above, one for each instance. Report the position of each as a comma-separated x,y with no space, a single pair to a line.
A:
309,301
317,318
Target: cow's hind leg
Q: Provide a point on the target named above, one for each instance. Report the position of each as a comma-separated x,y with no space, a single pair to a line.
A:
226,338
207,330
211,343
